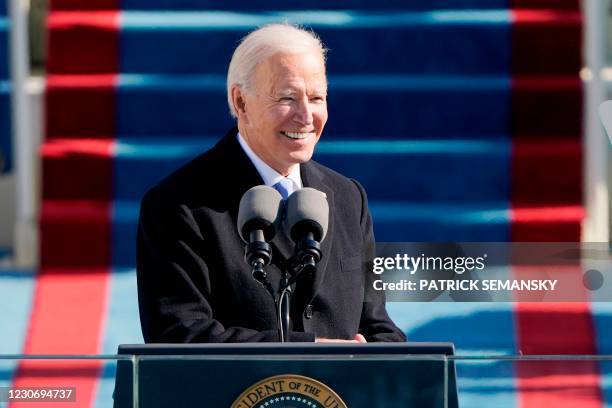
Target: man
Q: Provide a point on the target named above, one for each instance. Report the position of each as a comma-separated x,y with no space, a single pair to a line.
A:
193,282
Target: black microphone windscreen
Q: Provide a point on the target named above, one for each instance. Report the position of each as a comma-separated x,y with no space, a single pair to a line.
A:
307,210
260,208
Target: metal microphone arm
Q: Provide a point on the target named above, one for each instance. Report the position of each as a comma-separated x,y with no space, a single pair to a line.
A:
258,254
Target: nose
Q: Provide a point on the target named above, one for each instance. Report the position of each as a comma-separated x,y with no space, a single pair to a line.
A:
303,112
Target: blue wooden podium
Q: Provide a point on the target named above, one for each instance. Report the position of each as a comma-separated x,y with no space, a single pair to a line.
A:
286,375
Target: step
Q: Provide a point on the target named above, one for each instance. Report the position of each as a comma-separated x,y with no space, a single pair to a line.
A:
546,41
4,47
275,4
77,169
80,233
393,221
429,106
81,106
546,4
546,106
6,146
90,234
75,233
420,171
85,43
525,173
417,222
396,221
546,171
308,5
547,223
447,42
394,43
83,5
438,106
448,171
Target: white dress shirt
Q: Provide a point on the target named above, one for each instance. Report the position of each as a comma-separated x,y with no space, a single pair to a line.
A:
267,173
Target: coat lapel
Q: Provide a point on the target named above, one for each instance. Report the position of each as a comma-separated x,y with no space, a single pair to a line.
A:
312,177
282,245
241,175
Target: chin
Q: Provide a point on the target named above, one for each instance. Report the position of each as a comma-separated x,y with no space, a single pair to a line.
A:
301,157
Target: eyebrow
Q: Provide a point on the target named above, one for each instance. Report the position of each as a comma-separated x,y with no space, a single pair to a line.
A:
290,92
286,92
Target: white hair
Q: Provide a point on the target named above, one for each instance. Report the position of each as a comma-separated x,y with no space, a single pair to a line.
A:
262,44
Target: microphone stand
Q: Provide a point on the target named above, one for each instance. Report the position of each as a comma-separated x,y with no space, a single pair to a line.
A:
258,255
304,263
284,307
282,304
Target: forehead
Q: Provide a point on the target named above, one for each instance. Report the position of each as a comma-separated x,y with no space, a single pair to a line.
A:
303,71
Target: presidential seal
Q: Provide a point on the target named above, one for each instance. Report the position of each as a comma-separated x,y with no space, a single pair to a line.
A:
289,391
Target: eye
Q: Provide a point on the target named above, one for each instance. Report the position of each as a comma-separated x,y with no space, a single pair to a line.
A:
317,99
286,99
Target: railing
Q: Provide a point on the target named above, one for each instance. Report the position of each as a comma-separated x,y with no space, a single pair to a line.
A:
481,380
23,138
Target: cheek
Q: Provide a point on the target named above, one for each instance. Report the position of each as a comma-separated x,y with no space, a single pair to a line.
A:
321,117
278,116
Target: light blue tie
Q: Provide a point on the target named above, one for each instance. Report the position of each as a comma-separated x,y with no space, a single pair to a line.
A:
284,187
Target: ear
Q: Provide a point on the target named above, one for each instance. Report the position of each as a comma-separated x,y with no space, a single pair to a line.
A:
239,102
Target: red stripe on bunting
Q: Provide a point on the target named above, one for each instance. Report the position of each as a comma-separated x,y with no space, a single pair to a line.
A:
557,328
81,106
546,198
546,105
546,41
83,42
75,233
547,172
545,4
546,189
75,219
77,169
66,320
84,5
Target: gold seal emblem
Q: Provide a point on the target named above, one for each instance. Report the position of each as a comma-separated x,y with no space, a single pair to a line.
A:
289,391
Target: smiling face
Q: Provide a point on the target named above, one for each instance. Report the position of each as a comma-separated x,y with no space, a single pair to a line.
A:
283,114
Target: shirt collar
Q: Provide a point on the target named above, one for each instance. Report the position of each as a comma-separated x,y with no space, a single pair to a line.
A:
267,173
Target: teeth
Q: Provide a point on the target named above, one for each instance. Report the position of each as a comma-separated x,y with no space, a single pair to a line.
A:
296,135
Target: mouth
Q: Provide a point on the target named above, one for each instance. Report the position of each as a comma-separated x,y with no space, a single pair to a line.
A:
297,135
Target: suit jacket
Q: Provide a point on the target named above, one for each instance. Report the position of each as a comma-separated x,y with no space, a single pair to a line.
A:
195,286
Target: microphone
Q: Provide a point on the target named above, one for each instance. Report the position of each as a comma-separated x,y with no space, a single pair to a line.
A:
259,217
306,221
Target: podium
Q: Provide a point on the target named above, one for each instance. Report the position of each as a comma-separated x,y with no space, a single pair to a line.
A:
275,375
